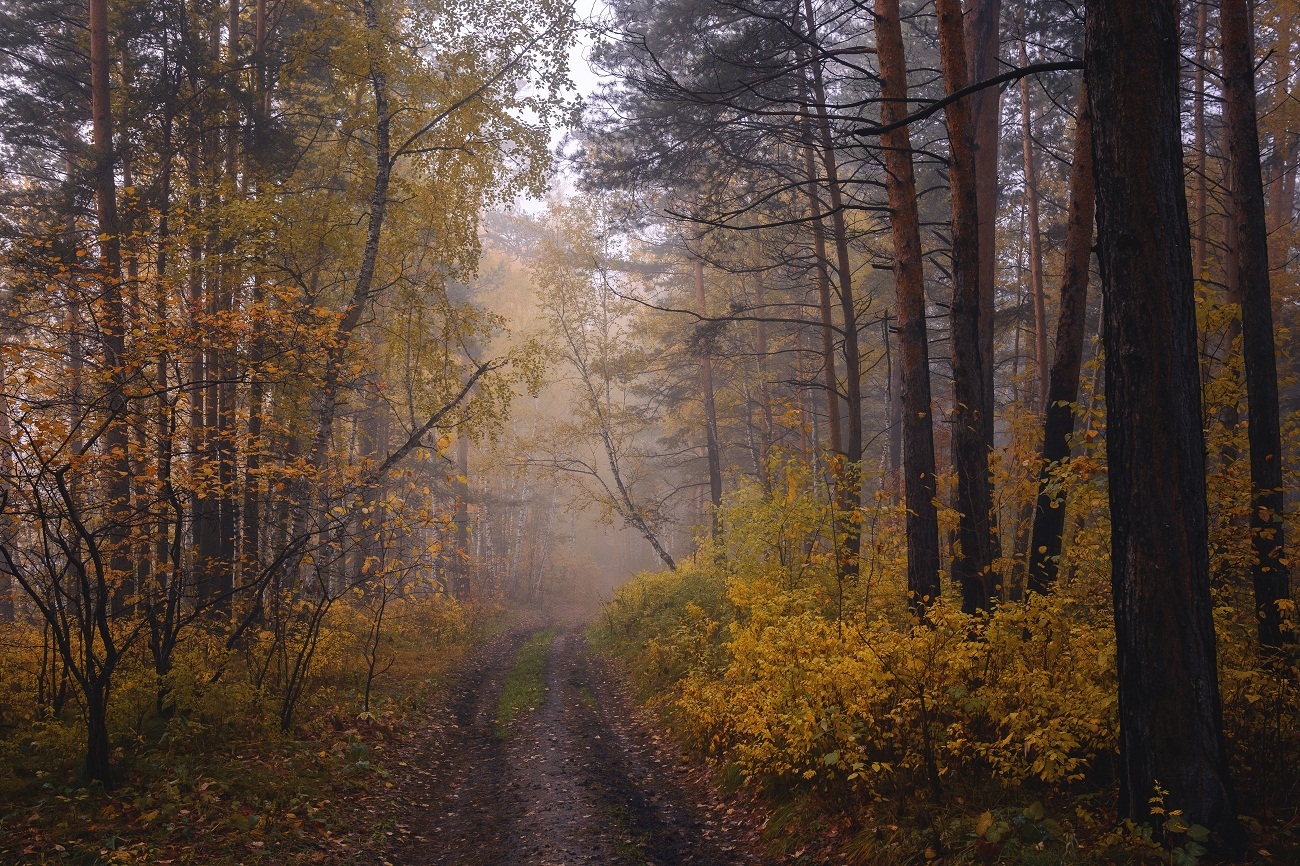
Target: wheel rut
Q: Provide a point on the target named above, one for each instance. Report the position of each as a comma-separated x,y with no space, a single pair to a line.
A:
578,780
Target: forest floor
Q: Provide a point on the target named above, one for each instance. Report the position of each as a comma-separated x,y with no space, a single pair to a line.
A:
581,778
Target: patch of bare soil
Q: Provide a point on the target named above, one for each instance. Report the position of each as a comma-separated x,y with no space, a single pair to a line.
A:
582,779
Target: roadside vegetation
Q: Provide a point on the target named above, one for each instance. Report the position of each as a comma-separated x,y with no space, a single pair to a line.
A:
210,777
988,738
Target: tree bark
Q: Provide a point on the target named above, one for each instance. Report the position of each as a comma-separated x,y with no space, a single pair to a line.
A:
1035,237
1269,571
971,439
712,448
461,585
1063,385
983,18
1281,195
1171,721
98,747
833,419
7,588
1198,124
913,343
764,388
113,328
844,269
894,399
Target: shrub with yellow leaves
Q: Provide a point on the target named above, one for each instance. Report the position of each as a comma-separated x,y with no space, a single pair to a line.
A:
831,694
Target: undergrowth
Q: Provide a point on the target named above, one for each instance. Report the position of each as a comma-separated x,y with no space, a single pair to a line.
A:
210,778
975,739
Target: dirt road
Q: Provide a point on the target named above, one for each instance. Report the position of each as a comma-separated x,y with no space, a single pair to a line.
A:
579,780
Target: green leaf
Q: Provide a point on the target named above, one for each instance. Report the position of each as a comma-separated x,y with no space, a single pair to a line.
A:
1035,812
831,758
1197,833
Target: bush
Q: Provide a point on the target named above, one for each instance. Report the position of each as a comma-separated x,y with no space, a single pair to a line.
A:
829,695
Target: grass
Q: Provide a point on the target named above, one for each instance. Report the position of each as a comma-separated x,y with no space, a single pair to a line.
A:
525,685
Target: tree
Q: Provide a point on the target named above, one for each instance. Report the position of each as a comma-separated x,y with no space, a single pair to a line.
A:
593,336
1063,381
919,488
1171,724
971,427
1269,571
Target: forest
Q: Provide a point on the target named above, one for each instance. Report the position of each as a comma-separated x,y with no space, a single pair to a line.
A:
649,432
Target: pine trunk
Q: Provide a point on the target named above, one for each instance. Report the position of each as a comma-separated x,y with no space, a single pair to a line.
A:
712,448
971,428
1063,384
1171,721
1269,571
1035,237
913,342
983,19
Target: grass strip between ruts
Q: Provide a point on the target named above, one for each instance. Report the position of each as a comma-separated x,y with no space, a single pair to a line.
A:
525,685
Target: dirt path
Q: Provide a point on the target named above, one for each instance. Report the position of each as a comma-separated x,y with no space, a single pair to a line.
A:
580,780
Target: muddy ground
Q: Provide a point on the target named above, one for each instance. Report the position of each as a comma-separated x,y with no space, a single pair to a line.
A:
583,779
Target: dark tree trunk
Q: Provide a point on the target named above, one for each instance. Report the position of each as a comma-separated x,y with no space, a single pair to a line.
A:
913,344
824,296
983,18
1036,288
1063,386
764,388
201,509
98,747
461,586
712,448
847,471
844,270
113,326
971,429
1269,572
7,585
1279,206
1199,154
894,395
1171,720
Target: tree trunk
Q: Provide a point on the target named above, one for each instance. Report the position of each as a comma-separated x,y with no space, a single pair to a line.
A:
113,327
764,388
971,431
894,397
460,588
202,517
227,286
251,544
7,586
844,269
710,410
1063,387
1171,721
824,296
1281,195
983,18
1035,238
913,343
846,473
98,747
1199,148
1271,578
